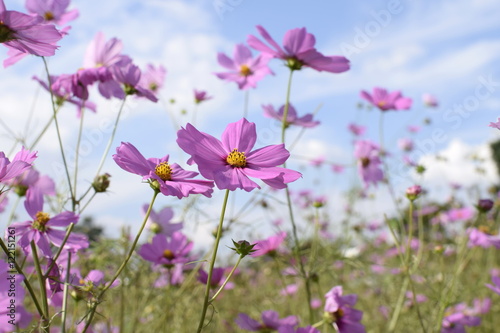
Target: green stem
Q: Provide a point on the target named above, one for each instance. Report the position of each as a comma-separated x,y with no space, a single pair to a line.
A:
43,290
206,301
65,295
227,279
110,142
59,139
58,253
287,107
25,279
45,128
124,263
245,108
399,305
77,152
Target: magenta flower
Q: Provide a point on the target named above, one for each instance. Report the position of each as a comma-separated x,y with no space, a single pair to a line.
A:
292,329
217,278
27,34
52,10
495,125
269,246
42,230
172,179
413,129
152,78
430,101
385,101
160,223
270,321
341,312
167,252
66,88
31,181
405,144
298,51
243,69
201,96
292,118
232,161
21,162
496,284
456,322
357,130
369,162
483,237
126,81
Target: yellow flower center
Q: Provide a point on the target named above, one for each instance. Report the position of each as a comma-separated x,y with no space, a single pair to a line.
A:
164,171
381,104
236,159
338,314
245,70
40,221
168,254
49,16
153,86
487,230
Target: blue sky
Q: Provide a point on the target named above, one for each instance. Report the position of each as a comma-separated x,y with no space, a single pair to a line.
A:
447,48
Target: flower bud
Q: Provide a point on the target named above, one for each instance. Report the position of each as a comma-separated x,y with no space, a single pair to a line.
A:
484,205
101,183
413,192
243,247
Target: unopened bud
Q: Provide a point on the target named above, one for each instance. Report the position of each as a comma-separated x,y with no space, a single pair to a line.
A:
101,183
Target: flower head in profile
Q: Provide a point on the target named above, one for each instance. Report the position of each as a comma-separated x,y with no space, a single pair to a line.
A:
171,178
496,124
369,163
292,118
357,130
43,229
152,78
298,51
430,100
340,312
201,96
385,101
167,251
27,34
20,163
232,161
496,284
245,70
270,321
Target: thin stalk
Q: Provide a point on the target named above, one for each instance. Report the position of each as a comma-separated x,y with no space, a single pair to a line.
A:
77,151
65,295
399,305
124,263
59,139
13,211
110,142
206,301
245,107
45,128
58,253
43,291
26,281
227,279
287,107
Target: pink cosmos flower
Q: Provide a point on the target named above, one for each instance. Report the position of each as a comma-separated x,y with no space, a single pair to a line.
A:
482,237
31,181
152,78
217,278
27,34
405,144
292,118
430,101
21,162
270,321
357,130
269,246
340,309
52,10
369,163
243,69
496,284
495,125
298,51
385,101
65,89
126,81
167,252
455,322
160,223
172,179
413,129
201,96
337,168
292,329
42,229
232,161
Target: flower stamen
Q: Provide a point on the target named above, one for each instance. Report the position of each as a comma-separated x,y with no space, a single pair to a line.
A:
236,159
164,171
40,221
168,254
245,70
